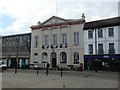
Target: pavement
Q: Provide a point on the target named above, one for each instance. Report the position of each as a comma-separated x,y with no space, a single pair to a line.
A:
70,79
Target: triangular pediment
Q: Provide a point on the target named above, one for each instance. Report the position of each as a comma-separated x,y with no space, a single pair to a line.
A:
53,20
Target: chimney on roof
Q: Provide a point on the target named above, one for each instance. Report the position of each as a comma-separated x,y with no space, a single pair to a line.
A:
83,16
39,23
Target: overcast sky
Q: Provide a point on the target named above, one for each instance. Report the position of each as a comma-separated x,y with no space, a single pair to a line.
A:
16,16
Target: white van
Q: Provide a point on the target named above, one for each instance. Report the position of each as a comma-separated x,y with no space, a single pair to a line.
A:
3,65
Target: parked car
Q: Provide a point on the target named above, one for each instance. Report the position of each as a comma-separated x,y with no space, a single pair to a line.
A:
3,65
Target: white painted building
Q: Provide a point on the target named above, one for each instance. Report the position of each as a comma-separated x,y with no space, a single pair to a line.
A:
0,47
102,40
58,41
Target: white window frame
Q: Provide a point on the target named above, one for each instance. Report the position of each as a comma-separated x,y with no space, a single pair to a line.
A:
46,40
36,40
64,39
54,39
76,38
100,33
109,32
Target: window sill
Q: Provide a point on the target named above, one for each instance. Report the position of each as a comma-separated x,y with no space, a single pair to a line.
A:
100,37
75,62
110,36
44,62
76,44
63,62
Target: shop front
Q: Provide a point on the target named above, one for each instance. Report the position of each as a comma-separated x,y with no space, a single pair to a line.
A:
102,62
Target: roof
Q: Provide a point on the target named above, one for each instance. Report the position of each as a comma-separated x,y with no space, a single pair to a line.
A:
16,35
53,17
60,22
102,23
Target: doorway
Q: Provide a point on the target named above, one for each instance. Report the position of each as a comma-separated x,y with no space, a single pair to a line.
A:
53,59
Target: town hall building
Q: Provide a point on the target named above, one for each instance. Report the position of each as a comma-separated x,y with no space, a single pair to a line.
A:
58,41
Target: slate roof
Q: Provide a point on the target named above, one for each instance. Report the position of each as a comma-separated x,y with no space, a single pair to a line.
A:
102,23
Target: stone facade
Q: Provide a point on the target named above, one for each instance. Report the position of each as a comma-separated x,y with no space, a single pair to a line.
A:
58,41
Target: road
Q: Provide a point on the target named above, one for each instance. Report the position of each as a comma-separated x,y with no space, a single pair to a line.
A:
70,79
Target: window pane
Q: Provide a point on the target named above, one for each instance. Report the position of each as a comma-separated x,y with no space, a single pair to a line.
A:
100,33
46,40
76,57
63,56
111,32
76,38
111,48
90,47
90,34
36,40
55,39
64,39
100,49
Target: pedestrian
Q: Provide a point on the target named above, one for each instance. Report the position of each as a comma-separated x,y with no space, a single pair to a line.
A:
47,68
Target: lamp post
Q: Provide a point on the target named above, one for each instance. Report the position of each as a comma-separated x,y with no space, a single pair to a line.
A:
113,65
96,63
9,58
16,66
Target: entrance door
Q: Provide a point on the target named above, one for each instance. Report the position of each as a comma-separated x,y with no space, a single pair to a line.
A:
53,59
53,62
13,63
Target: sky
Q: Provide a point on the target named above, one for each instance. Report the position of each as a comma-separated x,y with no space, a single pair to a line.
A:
16,16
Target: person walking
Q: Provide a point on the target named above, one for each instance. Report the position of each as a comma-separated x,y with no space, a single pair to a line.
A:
47,68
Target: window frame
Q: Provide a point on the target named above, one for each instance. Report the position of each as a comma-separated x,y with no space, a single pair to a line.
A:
54,39
46,40
109,32
89,49
64,39
61,57
36,40
100,33
90,34
76,38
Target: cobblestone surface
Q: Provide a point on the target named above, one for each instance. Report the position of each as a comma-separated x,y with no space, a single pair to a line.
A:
70,79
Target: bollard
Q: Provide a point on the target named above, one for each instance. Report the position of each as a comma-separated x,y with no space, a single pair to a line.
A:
46,71
15,70
61,72
2,70
37,71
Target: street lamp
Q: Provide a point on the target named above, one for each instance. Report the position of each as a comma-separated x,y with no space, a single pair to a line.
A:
113,64
16,66
96,62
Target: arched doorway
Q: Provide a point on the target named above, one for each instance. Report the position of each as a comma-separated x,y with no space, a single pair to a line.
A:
53,59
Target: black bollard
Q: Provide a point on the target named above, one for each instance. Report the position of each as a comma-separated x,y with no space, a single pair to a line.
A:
96,69
37,71
15,70
2,70
61,72
46,71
